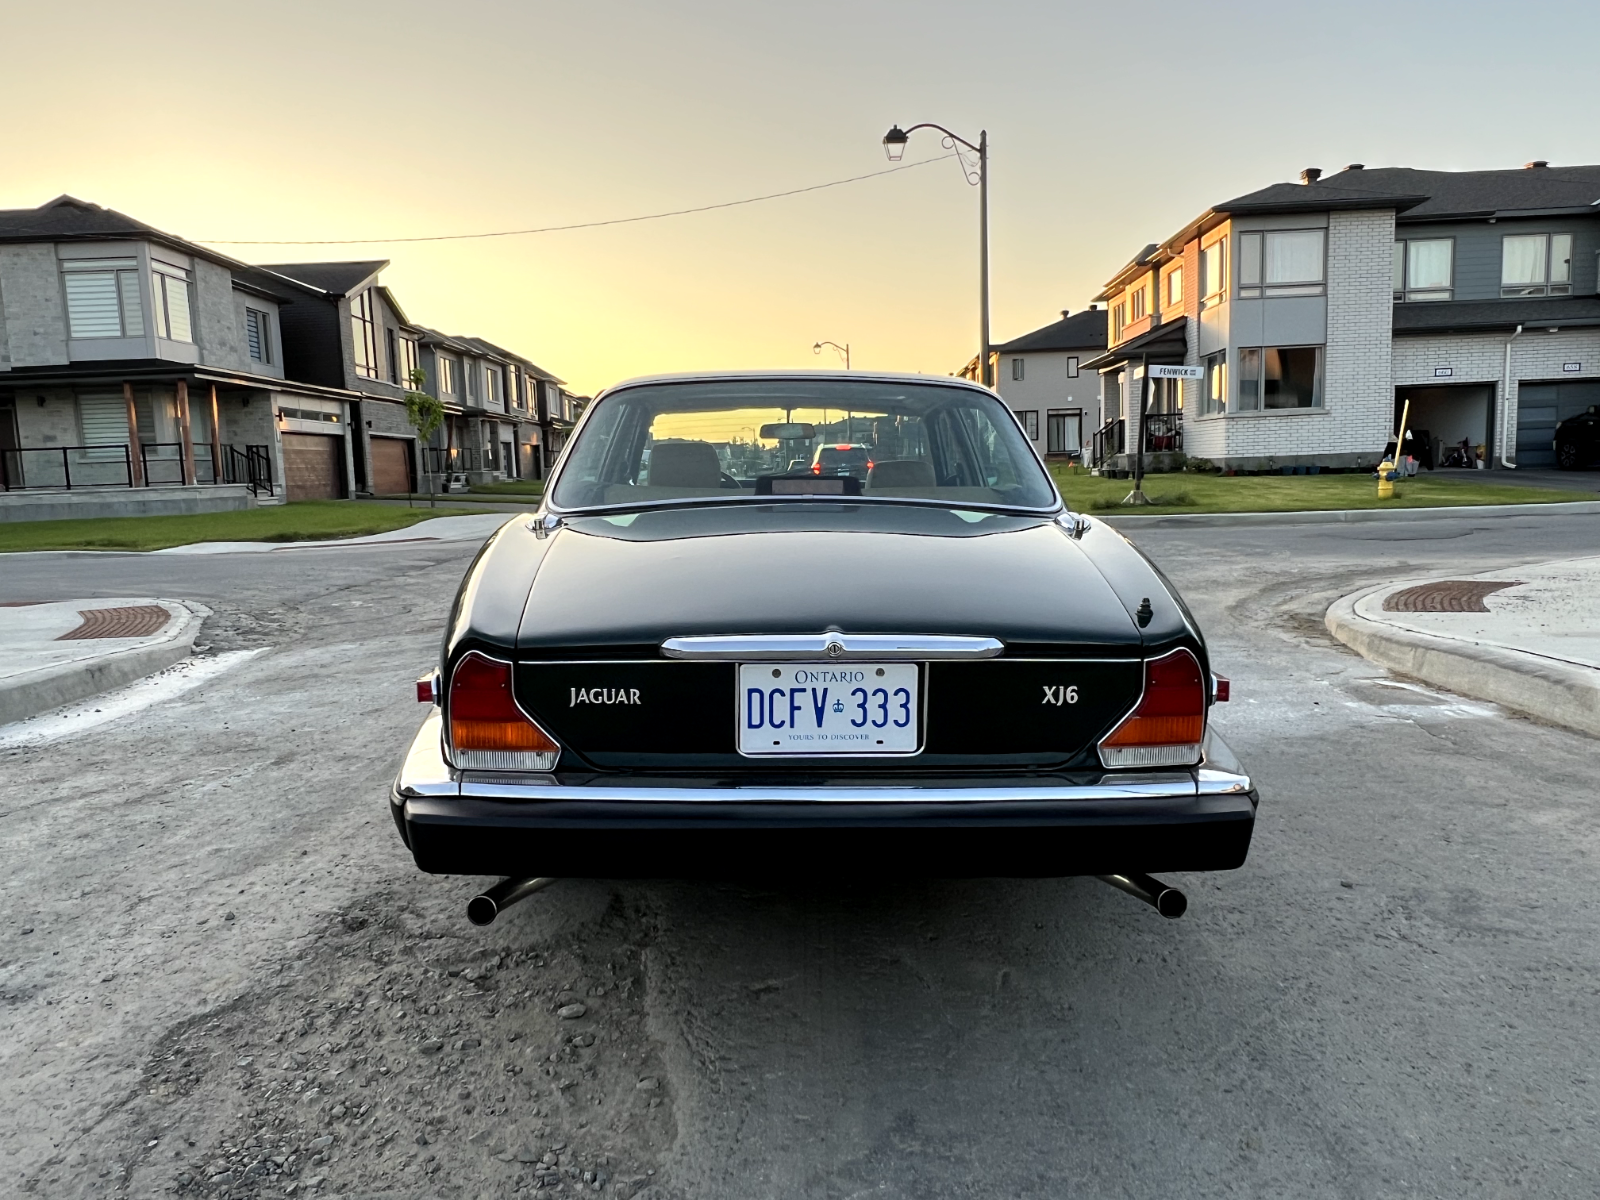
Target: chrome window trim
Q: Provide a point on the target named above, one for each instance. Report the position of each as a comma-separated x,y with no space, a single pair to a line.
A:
830,647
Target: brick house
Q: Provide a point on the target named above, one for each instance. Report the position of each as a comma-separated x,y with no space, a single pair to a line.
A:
1317,309
140,372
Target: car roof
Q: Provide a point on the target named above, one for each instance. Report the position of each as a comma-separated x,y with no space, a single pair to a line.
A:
907,377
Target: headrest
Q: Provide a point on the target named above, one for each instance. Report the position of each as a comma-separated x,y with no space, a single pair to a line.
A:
684,464
902,473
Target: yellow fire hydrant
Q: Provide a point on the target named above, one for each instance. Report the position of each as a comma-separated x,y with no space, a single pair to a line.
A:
1386,481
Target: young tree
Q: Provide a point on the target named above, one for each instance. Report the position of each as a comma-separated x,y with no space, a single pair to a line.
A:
426,414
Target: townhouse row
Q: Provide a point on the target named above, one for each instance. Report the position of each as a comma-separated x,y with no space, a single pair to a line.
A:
1317,311
130,358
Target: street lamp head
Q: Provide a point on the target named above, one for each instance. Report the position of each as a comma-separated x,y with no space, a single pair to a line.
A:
817,349
894,143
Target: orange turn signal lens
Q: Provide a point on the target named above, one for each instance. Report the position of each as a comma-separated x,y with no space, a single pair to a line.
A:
1166,727
488,731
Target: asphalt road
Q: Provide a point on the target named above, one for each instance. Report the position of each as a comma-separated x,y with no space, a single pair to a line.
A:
221,975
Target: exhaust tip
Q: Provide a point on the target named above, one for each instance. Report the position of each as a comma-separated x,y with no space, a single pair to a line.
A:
1170,903
482,910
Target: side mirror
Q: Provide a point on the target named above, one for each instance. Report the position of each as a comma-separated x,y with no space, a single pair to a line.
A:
789,431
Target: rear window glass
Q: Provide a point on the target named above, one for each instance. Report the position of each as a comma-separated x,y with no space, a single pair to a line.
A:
801,438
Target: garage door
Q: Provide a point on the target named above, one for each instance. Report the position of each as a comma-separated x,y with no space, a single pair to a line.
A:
391,466
313,466
1540,408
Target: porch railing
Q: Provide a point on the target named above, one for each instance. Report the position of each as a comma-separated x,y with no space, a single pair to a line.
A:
251,466
1109,440
103,464
1163,432
110,464
453,460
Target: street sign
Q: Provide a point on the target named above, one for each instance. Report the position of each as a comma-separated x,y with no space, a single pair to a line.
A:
1176,373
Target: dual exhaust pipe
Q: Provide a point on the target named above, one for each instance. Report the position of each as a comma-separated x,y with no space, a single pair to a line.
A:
1168,901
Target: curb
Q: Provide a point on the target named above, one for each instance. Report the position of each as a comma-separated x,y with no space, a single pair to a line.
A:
1560,693
51,687
1339,516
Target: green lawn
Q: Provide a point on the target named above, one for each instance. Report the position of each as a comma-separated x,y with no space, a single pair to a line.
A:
305,520
511,487
1191,493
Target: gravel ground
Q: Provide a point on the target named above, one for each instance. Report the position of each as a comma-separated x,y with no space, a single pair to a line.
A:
221,976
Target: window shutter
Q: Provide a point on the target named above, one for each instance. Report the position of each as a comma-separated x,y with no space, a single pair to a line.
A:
103,421
92,304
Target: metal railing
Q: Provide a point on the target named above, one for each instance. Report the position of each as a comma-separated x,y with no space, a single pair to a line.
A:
1109,439
37,467
452,460
251,466
1163,432
110,464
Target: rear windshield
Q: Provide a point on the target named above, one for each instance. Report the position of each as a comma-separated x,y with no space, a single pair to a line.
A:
781,439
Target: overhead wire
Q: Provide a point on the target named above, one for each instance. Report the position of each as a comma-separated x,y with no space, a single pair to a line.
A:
677,212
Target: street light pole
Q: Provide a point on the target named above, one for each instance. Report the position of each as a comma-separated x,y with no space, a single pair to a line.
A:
844,350
894,144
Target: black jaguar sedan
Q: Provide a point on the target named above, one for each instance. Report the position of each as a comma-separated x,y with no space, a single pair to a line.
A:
696,659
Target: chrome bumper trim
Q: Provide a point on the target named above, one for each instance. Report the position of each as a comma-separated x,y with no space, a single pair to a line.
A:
426,776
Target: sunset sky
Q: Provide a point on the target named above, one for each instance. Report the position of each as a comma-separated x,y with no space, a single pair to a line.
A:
1110,124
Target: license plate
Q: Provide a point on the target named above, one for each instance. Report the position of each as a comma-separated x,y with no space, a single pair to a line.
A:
829,708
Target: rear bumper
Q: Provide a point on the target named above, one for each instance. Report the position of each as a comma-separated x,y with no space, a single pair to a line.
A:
474,824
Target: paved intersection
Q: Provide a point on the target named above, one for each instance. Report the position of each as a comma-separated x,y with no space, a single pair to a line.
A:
1395,997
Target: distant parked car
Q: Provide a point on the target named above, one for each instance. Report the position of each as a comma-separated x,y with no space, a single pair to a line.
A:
1577,442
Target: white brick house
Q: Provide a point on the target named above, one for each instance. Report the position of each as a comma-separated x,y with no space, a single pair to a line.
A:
1317,309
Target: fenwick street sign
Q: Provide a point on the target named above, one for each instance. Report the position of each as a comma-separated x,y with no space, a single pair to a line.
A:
1151,371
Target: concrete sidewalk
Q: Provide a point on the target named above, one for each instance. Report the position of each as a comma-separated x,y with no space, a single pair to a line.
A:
1527,638
473,528
54,653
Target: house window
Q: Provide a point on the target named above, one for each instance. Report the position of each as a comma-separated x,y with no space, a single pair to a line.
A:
258,335
1016,368
391,345
1536,264
1137,304
492,396
1063,431
1175,286
1280,377
1072,366
1215,399
103,297
1030,423
470,370
1119,320
447,375
364,335
1424,269
1214,273
171,295
1289,262
408,361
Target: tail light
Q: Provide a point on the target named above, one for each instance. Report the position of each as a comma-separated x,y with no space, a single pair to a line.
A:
488,732
1166,727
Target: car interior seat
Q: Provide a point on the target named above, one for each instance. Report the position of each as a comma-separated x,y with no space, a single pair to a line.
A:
901,473
684,465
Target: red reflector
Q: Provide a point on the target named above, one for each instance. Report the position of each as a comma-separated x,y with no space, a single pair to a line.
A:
845,446
1172,711
425,689
816,468
483,714
1220,689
